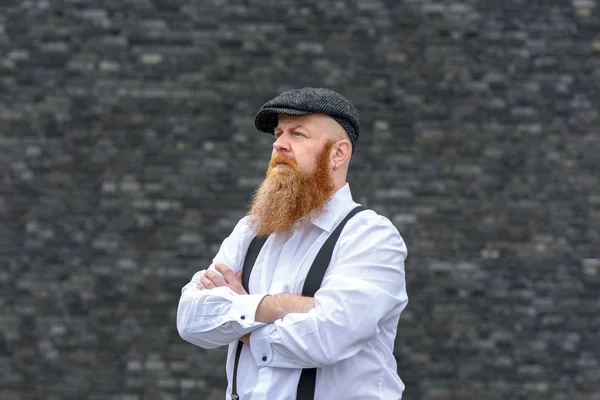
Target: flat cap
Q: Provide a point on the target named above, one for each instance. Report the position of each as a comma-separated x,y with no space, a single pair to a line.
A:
305,101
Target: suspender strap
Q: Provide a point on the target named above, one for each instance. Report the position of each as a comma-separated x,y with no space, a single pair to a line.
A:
321,262
251,256
238,352
307,384
308,377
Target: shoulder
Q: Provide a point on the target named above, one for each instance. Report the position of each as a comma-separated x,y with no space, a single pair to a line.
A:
371,229
234,247
243,225
242,233
370,240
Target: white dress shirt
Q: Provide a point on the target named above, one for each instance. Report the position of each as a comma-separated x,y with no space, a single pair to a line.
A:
349,335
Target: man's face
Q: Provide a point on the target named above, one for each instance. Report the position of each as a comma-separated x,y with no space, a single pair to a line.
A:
299,179
302,139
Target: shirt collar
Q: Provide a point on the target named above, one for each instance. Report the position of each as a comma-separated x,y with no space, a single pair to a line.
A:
335,206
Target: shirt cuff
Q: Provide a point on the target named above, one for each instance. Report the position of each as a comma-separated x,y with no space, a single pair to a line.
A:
260,345
243,310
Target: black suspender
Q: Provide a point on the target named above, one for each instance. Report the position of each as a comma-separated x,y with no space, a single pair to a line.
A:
308,377
314,278
251,256
319,266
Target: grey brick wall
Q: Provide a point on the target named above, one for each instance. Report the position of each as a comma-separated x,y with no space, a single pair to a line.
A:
128,152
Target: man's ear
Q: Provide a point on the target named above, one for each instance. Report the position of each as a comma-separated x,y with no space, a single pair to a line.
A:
341,151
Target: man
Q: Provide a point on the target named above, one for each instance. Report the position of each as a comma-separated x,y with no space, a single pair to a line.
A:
346,331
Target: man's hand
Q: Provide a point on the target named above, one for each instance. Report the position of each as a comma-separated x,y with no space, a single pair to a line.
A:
212,280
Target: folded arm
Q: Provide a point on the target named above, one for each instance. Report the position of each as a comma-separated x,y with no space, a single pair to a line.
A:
219,312
215,317
365,287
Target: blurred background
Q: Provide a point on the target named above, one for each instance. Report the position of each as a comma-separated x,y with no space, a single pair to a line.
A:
128,153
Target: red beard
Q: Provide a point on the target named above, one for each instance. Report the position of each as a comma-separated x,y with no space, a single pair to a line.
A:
288,196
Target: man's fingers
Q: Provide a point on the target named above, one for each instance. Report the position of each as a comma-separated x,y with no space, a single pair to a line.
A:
227,273
212,280
234,281
207,283
215,278
237,287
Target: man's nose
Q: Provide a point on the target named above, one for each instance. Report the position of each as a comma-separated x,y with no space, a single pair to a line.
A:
281,144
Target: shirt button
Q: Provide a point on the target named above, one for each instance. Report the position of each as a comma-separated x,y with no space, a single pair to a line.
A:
264,358
243,317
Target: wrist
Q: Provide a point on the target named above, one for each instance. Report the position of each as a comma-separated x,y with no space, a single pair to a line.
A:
276,306
269,309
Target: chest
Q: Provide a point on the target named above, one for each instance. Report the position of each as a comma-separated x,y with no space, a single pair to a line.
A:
284,261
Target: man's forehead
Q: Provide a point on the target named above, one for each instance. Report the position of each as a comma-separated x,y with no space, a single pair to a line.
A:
306,121
285,121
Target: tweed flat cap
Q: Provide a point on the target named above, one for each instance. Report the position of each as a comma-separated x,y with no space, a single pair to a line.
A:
305,101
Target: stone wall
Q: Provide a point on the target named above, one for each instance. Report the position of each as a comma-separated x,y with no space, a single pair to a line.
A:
128,153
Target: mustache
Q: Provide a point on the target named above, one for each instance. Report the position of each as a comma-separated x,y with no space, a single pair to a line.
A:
279,158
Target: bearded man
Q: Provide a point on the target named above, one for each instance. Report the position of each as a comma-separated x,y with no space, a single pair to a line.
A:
308,289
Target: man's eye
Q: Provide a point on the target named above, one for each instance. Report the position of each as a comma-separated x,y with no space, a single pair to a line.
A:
298,134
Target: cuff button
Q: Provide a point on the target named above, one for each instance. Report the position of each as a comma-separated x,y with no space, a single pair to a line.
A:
243,317
264,358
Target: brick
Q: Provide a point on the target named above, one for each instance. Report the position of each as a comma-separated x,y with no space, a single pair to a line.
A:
129,153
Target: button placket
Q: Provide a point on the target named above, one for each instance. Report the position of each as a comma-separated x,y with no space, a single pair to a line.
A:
285,266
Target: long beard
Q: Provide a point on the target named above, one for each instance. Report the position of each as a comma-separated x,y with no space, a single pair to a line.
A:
288,198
